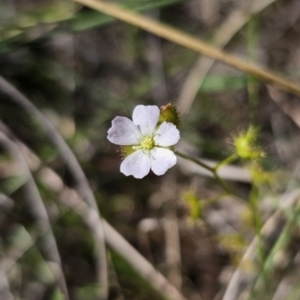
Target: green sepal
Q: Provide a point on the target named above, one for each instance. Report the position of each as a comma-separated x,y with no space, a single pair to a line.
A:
170,114
126,151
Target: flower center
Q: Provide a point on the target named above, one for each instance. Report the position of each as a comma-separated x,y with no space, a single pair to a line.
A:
147,143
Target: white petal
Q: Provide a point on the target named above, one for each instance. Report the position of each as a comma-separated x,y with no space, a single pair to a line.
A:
146,117
123,132
162,160
136,164
167,135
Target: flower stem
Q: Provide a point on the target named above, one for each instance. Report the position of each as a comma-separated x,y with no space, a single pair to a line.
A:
226,161
213,170
195,160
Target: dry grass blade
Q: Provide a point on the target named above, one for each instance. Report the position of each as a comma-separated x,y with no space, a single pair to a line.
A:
8,261
145,269
75,168
75,200
172,252
39,211
189,42
72,200
245,274
290,108
236,20
171,227
5,292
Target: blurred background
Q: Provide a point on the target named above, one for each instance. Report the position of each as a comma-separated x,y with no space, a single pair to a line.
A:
80,68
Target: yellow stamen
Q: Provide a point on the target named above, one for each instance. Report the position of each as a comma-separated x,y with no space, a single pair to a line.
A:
147,143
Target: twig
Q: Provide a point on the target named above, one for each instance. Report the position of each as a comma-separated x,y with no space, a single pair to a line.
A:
189,42
81,181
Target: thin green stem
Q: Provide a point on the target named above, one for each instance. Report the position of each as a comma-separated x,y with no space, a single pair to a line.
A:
226,161
196,161
222,183
253,200
213,170
252,84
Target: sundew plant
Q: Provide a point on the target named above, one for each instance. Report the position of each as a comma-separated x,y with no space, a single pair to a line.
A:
149,150
146,145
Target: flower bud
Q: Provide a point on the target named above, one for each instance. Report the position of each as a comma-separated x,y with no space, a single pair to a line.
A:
169,113
245,145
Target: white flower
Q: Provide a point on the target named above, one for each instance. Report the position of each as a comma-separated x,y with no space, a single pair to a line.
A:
150,143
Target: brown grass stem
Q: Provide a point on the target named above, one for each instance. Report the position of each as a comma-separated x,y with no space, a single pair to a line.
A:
190,42
237,19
